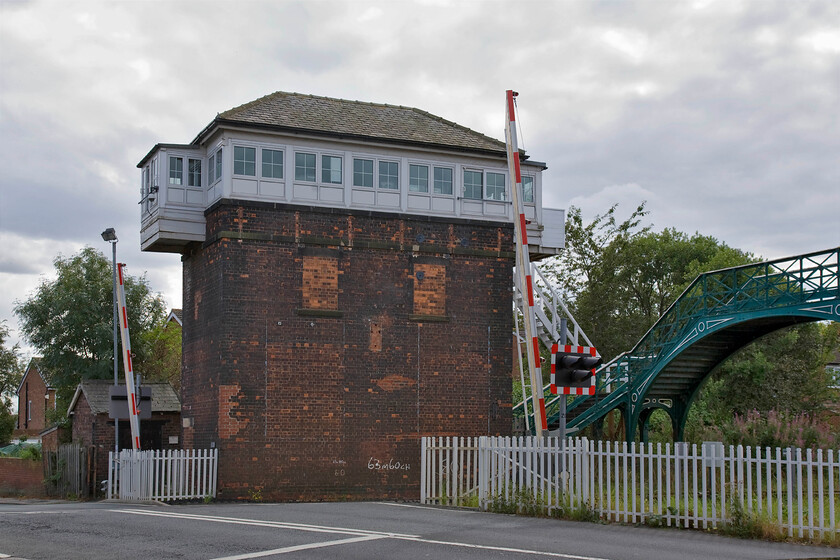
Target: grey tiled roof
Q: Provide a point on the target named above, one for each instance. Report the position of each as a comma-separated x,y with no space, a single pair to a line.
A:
164,398
375,121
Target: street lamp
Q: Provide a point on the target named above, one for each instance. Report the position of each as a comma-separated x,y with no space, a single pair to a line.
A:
110,236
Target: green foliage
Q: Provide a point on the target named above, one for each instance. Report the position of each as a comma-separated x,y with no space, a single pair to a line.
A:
11,367
31,452
749,525
785,372
22,451
163,354
7,424
523,502
69,319
618,278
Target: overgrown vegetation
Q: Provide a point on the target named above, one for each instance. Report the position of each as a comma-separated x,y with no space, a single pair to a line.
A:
524,501
69,320
618,277
11,372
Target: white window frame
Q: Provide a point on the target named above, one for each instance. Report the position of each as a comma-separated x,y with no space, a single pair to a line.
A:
180,179
245,147
464,183
451,169
278,149
495,187
377,160
219,166
373,168
190,175
378,179
314,155
484,175
211,169
332,157
425,166
533,189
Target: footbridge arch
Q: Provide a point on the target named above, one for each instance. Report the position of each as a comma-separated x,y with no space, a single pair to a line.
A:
719,313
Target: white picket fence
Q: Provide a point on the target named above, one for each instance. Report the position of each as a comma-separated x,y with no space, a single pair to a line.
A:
163,475
673,485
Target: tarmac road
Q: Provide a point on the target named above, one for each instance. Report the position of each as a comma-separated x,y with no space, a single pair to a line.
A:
370,530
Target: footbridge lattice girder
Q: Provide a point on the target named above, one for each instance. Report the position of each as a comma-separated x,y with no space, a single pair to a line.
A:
718,314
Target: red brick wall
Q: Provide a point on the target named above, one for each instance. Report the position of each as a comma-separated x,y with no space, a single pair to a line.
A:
34,389
96,431
305,404
21,477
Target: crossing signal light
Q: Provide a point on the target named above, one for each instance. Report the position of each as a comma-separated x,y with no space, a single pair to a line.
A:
573,369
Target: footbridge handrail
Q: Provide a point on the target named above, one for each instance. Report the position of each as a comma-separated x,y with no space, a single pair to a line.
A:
772,284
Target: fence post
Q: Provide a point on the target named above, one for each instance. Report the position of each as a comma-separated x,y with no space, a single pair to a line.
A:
482,472
423,467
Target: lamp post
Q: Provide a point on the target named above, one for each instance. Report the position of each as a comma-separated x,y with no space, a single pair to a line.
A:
110,236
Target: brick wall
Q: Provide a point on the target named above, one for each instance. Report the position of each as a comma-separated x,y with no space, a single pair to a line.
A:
315,357
34,391
96,432
21,477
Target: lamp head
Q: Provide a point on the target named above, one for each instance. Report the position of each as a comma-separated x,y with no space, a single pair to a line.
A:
109,234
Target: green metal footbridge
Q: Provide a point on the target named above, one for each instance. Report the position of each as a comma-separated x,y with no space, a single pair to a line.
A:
719,313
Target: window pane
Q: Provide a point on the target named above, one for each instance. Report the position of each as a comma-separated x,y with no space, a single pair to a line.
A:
363,173
272,164
418,178
219,164
305,167
331,169
212,169
495,186
389,175
473,184
194,177
244,161
443,180
527,189
176,171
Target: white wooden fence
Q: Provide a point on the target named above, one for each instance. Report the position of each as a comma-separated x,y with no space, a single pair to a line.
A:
674,485
162,475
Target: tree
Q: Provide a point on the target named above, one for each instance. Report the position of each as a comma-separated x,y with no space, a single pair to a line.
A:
163,357
783,372
11,366
11,372
620,277
69,319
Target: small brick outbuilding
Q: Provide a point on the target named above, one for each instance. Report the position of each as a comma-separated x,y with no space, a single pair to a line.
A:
92,426
35,398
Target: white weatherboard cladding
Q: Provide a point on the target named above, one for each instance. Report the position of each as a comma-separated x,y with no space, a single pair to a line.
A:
159,224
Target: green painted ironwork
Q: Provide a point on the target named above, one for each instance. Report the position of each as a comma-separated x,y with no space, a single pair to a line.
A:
718,313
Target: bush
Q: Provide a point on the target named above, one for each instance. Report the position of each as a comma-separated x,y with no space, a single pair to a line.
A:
7,424
775,429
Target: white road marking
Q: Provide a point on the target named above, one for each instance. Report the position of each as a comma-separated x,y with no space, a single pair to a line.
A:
39,512
301,547
359,535
424,507
275,524
502,549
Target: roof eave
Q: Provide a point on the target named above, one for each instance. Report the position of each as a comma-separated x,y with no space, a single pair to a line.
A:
74,400
220,122
160,145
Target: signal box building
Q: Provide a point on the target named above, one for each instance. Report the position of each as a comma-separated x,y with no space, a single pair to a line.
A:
347,273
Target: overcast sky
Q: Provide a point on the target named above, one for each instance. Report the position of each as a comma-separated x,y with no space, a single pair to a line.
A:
723,116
